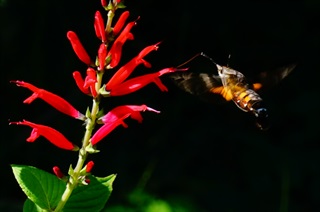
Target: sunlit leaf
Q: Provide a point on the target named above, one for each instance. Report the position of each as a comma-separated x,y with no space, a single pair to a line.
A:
42,188
92,197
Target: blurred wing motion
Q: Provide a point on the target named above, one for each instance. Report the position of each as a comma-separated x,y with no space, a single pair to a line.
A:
270,78
198,84
233,85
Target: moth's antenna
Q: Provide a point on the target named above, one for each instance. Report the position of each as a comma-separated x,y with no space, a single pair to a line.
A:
228,60
206,56
192,58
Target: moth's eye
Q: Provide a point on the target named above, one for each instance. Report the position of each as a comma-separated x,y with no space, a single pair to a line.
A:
262,120
262,113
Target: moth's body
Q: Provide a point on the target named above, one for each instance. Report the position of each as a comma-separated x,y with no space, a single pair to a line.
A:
232,85
236,88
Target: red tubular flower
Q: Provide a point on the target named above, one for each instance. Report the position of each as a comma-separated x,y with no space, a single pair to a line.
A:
125,111
106,129
57,172
102,54
52,135
86,86
148,49
115,118
116,49
127,69
89,166
90,81
120,23
80,82
99,26
136,83
52,99
78,48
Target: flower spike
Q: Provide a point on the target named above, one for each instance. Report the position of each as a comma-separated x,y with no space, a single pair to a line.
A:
52,135
52,99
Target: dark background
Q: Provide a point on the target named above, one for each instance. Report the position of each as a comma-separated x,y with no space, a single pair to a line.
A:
194,156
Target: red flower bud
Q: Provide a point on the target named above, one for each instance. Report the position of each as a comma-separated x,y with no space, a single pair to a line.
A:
89,166
99,26
57,172
120,23
78,48
104,3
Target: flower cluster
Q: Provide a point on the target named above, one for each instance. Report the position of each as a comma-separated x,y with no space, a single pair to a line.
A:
108,57
113,37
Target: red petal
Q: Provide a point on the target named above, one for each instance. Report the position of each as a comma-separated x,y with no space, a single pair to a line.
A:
148,49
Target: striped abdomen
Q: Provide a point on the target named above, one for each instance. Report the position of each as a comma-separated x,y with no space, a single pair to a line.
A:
246,98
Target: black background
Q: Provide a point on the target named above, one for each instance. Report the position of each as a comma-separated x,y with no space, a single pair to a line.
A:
199,156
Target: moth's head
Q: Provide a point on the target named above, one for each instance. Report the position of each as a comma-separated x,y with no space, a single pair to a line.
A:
262,120
224,71
262,116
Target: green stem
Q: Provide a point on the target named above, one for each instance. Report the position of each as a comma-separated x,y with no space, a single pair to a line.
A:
83,154
73,180
109,21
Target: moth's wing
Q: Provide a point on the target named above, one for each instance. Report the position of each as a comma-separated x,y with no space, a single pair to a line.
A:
267,79
206,86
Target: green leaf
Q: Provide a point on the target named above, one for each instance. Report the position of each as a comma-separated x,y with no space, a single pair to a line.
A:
121,5
30,206
42,188
92,197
